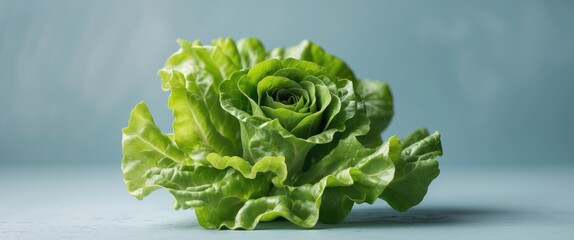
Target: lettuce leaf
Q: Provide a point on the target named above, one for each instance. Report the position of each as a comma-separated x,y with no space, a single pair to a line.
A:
415,170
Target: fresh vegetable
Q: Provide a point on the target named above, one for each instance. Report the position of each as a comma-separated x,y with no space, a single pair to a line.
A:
260,134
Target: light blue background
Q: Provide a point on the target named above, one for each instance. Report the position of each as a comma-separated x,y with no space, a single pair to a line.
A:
494,77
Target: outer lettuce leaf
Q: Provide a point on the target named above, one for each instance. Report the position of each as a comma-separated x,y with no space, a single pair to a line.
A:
251,51
275,165
152,161
229,49
145,147
204,68
309,51
415,170
216,195
379,103
372,170
361,179
192,127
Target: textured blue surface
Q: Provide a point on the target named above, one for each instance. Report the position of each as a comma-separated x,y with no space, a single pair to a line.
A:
494,77
90,202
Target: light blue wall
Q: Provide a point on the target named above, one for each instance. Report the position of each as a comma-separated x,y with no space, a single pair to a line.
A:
495,77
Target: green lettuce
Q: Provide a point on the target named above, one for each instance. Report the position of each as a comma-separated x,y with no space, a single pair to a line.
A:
261,134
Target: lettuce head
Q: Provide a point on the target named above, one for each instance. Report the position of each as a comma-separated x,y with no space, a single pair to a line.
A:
261,134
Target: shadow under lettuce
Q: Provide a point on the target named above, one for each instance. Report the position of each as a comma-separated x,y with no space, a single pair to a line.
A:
379,216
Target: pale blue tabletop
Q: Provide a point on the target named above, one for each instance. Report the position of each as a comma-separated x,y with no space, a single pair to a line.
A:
90,202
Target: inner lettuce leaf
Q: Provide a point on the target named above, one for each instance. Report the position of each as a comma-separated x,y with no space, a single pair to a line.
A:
283,133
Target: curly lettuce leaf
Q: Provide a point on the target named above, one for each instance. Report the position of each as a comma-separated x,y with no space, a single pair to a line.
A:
152,161
372,170
415,170
145,147
192,127
309,51
203,68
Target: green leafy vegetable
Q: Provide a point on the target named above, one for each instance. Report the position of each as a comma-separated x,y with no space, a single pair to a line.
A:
260,134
